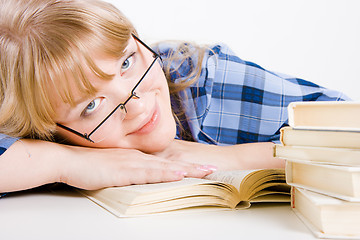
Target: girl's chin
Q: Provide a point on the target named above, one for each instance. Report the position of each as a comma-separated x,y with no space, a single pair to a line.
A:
157,148
157,145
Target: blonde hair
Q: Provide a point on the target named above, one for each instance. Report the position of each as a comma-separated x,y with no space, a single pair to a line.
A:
44,44
192,55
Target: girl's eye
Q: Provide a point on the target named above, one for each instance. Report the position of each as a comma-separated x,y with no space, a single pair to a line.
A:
127,63
91,107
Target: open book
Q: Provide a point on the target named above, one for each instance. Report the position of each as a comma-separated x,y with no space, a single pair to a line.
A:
229,189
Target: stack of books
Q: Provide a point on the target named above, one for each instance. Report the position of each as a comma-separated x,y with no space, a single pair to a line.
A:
321,147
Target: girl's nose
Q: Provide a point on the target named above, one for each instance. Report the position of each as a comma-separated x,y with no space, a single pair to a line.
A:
135,106
138,103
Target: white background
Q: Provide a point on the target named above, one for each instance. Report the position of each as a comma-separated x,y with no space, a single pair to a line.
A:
317,40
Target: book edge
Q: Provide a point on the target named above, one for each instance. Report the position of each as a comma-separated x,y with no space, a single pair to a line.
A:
318,233
291,114
347,168
341,197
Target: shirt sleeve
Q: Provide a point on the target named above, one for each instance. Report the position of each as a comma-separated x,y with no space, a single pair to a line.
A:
236,101
5,143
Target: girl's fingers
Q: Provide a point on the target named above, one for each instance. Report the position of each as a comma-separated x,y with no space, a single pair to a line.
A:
143,176
189,169
163,172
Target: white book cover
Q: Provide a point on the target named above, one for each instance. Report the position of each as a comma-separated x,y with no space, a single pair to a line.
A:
319,200
325,115
319,172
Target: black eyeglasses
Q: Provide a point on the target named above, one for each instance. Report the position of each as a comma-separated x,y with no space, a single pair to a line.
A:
121,106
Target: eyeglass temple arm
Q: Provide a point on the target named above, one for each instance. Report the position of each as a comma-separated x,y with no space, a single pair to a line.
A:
147,47
86,136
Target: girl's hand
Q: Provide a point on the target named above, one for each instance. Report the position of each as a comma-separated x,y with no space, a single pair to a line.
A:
31,163
94,168
235,157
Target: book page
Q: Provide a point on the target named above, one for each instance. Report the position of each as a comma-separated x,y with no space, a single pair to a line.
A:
136,194
155,187
231,177
158,187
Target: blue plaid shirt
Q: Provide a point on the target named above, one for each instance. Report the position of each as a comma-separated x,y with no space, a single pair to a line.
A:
5,143
234,101
237,101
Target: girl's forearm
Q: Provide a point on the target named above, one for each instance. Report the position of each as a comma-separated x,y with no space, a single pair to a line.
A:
234,157
244,156
256,155
30,163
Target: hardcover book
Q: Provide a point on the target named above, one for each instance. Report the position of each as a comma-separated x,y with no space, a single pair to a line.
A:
337,181
325,115
327,217
320,138
325,155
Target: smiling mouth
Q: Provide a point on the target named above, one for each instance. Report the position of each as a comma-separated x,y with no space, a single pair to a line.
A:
151,124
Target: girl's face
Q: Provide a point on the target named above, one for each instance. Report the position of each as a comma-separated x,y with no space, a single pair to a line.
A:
147,124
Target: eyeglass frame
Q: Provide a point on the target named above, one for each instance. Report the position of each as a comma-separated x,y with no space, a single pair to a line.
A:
120,105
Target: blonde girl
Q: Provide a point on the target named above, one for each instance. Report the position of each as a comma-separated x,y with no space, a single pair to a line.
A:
86,102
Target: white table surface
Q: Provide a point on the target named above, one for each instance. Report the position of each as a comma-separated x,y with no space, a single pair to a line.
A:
67,215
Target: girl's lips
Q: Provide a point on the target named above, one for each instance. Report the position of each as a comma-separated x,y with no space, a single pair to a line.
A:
150,124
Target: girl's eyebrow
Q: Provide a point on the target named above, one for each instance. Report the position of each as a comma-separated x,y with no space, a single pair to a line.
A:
130,49
77,102
70,110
